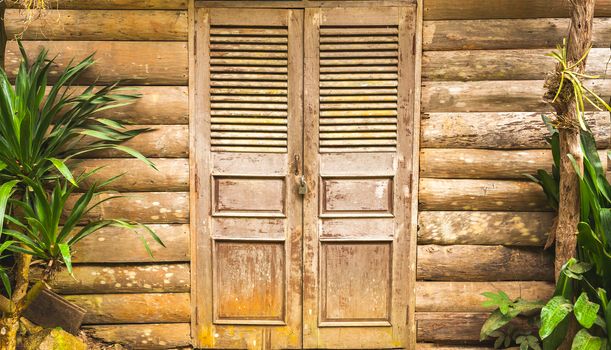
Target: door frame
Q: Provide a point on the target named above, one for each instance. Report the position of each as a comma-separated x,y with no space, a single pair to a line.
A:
199,141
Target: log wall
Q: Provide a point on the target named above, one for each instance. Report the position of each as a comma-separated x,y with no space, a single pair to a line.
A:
481,225
130,297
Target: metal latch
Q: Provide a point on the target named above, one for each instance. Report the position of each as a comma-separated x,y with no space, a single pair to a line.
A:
303,187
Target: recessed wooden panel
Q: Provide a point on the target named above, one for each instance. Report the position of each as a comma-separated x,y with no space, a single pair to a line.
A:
249,196
357,229
355,284
248,228
356,197
250,283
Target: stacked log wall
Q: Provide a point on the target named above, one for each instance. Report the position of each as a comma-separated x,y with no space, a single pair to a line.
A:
482,224
129,296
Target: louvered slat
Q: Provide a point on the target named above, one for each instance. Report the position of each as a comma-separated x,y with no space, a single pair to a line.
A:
249,89
358,89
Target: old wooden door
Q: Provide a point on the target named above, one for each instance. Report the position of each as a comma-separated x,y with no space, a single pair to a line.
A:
301,215
358,161
249,84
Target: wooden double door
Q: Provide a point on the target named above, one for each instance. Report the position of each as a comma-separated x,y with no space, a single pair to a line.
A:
303,160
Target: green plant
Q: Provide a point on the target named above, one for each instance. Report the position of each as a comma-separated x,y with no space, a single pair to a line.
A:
41,130
570,85
42,232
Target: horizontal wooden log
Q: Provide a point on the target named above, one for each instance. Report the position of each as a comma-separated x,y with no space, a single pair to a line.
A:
483,263
450,327
437,346
119,245
471,65
133,63
163,141
87,25
473,9
171,174
467,194
467,296
134,308
484,228
159,105
144,207
505,34
512,130
493,96
122,278
146,336
460,163
113,4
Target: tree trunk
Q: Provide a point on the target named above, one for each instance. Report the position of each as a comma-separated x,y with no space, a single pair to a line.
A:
9,324
578,42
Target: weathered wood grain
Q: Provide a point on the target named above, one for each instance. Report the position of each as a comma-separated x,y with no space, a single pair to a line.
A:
123,278
171,175
467,296
159,105
484,228
492,96
509,130
505,34
163,141
134,308
88,25
459,163
144,207
470,65
146,336
113,4
134,63
467,194
437,346
473,9
118,245
450,327
483,263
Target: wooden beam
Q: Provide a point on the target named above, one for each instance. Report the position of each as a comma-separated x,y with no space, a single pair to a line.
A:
483,263
468,194
300,4
114,4
89,25
145,336
484,227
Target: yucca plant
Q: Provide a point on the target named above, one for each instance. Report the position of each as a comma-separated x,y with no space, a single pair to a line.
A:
41,129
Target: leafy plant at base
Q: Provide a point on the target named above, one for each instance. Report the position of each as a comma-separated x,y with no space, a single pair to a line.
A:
42,233
41,131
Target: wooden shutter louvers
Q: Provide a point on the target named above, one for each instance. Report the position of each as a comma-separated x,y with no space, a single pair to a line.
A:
358,88
249,88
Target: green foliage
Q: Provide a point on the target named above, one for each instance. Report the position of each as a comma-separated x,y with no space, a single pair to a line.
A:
506,310
42,129
42,233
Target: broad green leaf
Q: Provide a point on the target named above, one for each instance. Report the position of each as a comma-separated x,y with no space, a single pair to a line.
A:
6,190
63,169
585,310
585,341
608,319
554,312
6,282
135,154
66,256
493,323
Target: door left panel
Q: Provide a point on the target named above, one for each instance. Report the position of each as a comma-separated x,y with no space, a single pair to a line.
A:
249,249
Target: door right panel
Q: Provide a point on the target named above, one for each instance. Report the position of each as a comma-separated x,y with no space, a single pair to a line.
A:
358,134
